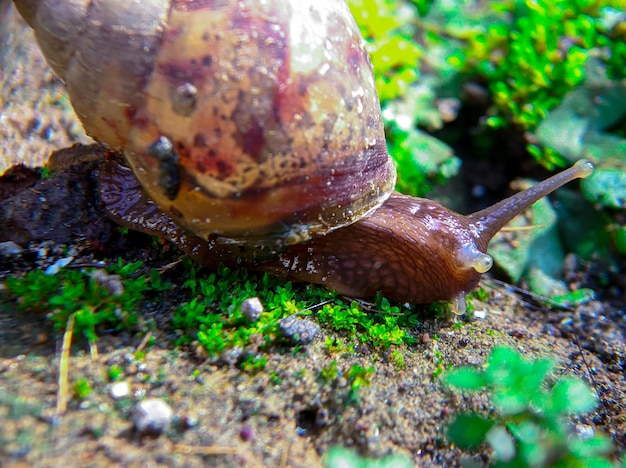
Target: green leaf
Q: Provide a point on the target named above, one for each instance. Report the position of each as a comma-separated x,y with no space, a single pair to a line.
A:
572,396
502,443
502,366
584,230
347,458
546,264
466,378
594,446
536,372
468,431
619,238
606,186
510,402
564,130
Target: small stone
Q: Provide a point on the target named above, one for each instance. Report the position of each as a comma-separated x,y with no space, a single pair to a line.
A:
189,421
119,390
246,433
10,249
152,416
480,314
111,282
252,308
58,265
298,331
232,356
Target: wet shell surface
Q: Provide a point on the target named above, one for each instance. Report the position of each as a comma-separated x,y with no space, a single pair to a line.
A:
249,120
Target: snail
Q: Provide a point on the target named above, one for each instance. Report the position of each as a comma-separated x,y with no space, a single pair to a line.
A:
254,138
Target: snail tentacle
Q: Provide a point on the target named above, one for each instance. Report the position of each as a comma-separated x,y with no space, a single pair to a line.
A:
489,221
468,256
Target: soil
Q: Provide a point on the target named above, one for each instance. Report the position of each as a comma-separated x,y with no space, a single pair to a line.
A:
281,416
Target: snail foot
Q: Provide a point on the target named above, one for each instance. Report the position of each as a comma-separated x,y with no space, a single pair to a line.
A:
458,305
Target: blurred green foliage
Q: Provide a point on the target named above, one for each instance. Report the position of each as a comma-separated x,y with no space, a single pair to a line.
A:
531,421
529,54
389,27
347,458
533,56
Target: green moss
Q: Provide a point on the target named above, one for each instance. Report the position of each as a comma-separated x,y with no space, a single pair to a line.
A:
78,292
213,316
254,364
359,376
115,373
82,388
397,357
329,373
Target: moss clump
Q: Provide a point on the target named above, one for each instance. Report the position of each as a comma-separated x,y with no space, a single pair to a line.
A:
94,296
214,318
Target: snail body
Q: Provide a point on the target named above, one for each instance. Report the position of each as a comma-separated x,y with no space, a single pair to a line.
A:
254,135
410,249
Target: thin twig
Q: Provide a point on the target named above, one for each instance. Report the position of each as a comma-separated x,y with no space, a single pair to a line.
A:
93,350
64,366
285,456
144,342
209,450
522,228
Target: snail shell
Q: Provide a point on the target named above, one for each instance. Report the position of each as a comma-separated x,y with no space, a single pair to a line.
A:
250,120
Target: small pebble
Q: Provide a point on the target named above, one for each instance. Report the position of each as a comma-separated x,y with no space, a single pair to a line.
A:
480,314
56,266
152,416
252,308
246,433
111,282
119,390
232,356
298,331
189,421
10,249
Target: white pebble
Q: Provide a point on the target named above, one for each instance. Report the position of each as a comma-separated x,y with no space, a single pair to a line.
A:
252,308
152,416
56,266
119,390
